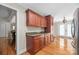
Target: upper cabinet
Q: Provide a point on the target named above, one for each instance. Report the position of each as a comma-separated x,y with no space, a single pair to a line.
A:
49,20
38,21
34,19
30,18
43,22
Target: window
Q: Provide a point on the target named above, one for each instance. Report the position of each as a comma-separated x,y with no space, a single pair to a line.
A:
62,30
69,30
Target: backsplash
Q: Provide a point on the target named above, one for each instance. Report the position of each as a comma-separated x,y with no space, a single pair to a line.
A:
34,29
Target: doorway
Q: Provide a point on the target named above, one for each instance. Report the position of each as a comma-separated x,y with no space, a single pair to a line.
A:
7,31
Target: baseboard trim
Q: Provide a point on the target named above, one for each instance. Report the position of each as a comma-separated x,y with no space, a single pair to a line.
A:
21,51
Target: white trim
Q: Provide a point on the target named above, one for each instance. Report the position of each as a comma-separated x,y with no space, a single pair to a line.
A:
21,51
6,5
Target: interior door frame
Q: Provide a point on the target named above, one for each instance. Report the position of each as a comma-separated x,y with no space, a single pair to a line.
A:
15,21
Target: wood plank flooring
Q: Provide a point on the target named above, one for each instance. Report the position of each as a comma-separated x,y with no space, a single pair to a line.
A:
5,48
60,46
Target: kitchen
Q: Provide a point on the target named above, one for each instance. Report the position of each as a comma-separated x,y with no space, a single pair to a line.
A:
40,37
44,28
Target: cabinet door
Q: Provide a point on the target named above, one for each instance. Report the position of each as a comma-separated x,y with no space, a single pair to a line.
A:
43,22
46,41
52,38
49,38
42,42
29,43
31,18
37,20
37,44
49,20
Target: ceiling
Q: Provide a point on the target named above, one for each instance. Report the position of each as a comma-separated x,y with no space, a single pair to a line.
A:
58,10
6,13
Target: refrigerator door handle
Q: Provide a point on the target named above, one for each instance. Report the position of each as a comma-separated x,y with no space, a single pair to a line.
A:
73,28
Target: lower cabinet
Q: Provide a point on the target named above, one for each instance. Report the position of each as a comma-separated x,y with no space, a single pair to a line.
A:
37,44
34,45
47,38
42,42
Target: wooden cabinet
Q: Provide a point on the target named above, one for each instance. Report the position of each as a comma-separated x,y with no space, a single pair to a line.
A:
38,21
43,22
52,38
37,44
47,39
33,44
29,42
31,18
49,20
42,41
34,19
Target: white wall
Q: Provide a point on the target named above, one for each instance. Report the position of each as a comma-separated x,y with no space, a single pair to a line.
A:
34,29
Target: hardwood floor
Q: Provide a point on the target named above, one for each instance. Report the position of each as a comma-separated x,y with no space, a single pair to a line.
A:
6,48
60,46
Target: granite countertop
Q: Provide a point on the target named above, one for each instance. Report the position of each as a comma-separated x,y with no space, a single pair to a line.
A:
34,34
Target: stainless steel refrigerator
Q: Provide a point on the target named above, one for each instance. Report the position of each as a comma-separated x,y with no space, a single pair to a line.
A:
75,31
